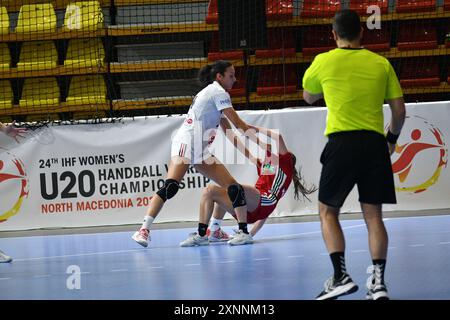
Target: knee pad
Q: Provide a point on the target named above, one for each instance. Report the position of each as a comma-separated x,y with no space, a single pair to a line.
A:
237,195
169,190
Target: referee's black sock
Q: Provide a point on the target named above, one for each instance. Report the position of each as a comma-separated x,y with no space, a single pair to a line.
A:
338,260
381,264
243,227
202,229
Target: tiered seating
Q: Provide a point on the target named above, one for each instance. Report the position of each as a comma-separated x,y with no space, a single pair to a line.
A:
275,10
281,43
447,5
5,57
360,6
213,12
131,90
160,51
83,53
417,34
86,90
4,21
448,71
35,18
377,39
214,52
320,8
37,55
239,88
447,35
317,39
418,72
277,79
6,94
40,92
279,9
415,6
83,15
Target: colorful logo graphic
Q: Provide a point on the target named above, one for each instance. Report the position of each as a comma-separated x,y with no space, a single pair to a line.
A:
418,161
13,184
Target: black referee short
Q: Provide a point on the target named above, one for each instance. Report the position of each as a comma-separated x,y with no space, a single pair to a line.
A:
356,157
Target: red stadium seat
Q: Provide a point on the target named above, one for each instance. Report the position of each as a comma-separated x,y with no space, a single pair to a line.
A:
417,34
275,79
280,42
320,8
279,9
415,6
360,6
275,10
447,5
212,16
317,39
419,72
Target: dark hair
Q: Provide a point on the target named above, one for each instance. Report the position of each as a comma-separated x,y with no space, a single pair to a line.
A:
299,184
207,74
347,24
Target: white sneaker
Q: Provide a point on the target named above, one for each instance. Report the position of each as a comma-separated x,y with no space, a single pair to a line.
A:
376,289
217,236
240,238
335,288
4,258
195,240
142,237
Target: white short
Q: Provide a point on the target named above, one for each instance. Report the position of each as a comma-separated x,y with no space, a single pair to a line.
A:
184,147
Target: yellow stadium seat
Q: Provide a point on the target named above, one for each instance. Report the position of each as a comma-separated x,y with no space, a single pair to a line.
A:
4,21
6,94
85,53
87,90
36,18
40,92
83,15
5,57
37,55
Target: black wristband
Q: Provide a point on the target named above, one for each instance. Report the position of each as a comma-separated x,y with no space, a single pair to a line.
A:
392,138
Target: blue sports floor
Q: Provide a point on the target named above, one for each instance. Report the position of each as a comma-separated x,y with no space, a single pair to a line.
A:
287,261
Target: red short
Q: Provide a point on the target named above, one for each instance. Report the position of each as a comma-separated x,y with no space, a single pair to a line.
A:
261,212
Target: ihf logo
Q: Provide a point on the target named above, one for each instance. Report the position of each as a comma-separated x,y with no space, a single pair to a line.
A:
420,156
13,184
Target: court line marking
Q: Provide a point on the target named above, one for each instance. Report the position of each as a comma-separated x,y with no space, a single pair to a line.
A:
284,237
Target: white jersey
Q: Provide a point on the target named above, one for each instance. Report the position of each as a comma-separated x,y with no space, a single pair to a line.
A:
199,128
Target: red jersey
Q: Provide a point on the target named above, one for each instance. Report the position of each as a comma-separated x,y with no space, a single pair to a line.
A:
272,187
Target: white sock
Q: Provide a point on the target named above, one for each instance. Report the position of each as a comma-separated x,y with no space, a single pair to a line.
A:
148,220
215,224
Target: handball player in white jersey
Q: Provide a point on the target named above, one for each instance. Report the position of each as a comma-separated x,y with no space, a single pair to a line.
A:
210,108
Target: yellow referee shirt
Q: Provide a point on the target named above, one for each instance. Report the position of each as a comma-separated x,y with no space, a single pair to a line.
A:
355,83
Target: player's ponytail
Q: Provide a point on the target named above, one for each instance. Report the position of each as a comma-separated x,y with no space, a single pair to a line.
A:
299,184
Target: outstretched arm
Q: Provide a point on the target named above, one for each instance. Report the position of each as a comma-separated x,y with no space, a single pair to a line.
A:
281,145
232,115
235,140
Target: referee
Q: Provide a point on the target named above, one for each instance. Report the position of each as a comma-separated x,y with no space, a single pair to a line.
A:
354,83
